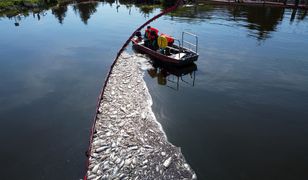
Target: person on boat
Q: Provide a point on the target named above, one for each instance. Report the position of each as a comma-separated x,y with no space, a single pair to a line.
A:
153,40
139,36
150,35
169,38
165,40
147,32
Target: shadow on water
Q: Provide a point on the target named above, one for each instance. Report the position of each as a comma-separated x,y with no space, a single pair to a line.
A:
172,77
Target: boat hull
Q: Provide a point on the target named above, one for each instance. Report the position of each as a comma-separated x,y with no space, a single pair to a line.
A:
156,56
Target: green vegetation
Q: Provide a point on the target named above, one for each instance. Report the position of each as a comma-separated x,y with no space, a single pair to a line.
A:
147,8
11,8
11,3
168,3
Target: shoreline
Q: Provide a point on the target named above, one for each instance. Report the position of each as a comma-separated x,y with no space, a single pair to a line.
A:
253,3
128,141
12,9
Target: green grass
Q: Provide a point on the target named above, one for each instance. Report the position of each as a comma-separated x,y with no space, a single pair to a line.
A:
8,3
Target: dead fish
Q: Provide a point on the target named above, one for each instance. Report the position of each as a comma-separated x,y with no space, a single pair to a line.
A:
100,149
133,148
128,161
148,146
121,164
95,168
118,161
167,162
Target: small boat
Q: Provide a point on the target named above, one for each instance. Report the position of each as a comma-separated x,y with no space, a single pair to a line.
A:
176,55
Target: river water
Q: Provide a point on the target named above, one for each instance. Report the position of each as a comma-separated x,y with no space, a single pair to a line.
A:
239,113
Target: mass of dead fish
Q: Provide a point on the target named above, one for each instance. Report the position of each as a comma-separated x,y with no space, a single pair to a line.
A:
128,142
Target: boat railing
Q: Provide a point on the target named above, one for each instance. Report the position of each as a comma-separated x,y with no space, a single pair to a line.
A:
180,47
190,43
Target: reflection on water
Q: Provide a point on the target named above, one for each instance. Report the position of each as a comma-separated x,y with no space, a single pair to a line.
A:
172,77
259,21
85,10
59,12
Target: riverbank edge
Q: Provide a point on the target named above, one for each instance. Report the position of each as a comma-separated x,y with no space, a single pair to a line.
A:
252,3
26,6
128,141
38,6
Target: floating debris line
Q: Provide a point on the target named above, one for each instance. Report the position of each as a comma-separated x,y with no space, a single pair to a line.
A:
128,142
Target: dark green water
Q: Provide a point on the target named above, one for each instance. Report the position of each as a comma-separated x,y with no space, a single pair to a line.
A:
246,116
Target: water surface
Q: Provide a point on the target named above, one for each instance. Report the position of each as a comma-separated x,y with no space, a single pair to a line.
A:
241,113
52,67
245,114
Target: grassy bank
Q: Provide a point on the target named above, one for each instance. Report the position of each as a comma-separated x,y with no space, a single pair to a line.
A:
11,8
12,3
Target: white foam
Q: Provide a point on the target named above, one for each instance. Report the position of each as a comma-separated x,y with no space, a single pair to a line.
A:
142,61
